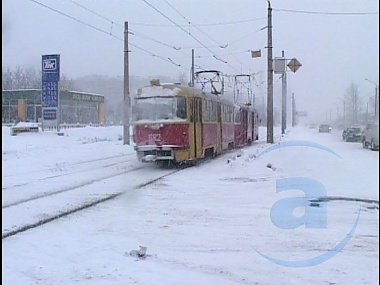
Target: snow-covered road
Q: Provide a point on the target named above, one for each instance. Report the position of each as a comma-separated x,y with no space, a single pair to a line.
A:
201,225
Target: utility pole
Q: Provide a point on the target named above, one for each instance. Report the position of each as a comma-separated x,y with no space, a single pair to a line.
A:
192,68
376,91
283,120
270,80
127,104
376,111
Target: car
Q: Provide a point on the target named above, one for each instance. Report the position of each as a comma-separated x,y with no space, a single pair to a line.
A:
352,134
370,136
325,128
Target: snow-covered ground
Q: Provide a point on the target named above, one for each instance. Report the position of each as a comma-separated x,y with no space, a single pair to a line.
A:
201,225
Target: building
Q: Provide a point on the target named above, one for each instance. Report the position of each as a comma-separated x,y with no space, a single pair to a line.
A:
75,107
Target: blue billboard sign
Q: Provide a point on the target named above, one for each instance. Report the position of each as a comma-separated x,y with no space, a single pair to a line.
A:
50,90
50,80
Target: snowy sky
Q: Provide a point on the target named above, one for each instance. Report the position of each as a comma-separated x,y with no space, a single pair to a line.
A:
334,49
200,225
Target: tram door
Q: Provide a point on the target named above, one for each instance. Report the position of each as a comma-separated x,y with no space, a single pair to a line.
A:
244,122
219,123
254,125
196,144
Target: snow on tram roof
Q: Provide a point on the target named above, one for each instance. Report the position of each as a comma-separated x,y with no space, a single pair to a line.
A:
173,89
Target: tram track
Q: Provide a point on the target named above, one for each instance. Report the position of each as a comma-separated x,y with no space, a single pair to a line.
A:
42,218
70,165
73,171
40,196
37,210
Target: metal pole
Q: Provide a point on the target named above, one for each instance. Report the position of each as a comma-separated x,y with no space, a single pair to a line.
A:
270,80
376,90
283,111
35,112
126,136
192,68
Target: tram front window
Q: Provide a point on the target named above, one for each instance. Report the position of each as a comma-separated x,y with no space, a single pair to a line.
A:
159,108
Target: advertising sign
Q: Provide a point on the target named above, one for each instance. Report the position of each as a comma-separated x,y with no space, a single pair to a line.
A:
50,90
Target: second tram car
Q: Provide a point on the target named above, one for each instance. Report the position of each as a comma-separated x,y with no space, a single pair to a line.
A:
179,124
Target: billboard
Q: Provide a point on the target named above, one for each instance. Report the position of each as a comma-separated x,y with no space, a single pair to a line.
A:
50,90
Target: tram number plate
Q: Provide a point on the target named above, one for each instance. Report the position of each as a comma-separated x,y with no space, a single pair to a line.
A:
154,137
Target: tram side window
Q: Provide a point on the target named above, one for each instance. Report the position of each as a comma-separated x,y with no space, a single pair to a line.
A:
181,107
192,110
237,117
206,111
198,110
213,111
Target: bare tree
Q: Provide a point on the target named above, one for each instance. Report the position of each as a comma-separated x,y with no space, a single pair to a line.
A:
65,83
6,76
21,78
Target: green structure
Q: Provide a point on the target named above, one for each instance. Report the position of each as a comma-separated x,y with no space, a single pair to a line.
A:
75,107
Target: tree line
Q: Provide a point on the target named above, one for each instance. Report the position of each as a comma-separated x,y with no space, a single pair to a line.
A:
111,88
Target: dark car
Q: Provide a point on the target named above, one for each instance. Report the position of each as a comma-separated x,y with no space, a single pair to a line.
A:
352,134
325,128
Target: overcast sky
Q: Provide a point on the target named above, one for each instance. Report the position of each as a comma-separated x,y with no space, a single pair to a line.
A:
334,48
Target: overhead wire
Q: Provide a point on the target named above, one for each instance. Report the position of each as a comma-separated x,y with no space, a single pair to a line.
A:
202,25
208,56
158,11
105,32
131,32
327,13
75,19
200,30
159,42
95,13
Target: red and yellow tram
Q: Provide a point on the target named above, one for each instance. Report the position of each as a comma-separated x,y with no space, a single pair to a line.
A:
179,124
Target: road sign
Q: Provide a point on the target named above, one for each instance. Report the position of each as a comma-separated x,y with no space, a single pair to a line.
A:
255,53
279,65
294,64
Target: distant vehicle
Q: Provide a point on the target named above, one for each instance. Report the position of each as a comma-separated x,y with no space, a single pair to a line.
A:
325,128
312,126
370,136
352,134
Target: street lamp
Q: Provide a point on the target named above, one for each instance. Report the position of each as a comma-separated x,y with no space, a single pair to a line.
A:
376,90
